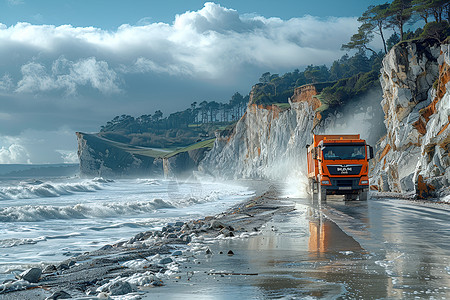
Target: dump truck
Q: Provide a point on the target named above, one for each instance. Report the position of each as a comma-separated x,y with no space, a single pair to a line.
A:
338,165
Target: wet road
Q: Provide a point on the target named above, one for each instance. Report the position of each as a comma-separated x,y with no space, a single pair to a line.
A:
379,249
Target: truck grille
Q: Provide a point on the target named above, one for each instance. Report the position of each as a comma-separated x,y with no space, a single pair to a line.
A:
344,169
344,182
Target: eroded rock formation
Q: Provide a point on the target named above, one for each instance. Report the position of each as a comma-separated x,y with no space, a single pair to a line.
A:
99,157
414,155
269,142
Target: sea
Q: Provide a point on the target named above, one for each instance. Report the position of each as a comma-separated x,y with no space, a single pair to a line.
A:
48,213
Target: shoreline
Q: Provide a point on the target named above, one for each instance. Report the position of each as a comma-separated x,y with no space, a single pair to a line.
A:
146,259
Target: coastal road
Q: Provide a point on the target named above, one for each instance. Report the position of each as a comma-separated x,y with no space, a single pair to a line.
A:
379,249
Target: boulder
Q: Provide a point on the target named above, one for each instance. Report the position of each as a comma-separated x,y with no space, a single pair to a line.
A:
59,295
165,261
31,275
120,288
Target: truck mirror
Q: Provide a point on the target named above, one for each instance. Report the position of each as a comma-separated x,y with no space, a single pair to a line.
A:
307,146
370,152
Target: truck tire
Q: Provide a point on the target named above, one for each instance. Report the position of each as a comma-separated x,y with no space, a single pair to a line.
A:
349,197
322,194
312,194
363,196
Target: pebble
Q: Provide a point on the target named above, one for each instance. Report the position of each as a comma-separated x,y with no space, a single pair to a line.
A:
157,283
120,288
31,275
217,225
62,267
103,295
172,236
49,269
106,247
166,260
59,295
177,253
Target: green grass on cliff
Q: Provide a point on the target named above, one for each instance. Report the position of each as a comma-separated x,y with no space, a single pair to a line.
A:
283,106
150,152
203,144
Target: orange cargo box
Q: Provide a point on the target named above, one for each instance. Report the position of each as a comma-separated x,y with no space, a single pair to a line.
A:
318,138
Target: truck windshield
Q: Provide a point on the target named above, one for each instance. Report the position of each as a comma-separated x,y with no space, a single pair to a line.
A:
344,152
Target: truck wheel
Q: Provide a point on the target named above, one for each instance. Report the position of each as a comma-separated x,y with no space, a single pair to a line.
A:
348,197
363,196
312,194
322,194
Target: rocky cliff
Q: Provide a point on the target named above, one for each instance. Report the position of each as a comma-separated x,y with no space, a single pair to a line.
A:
414,155
269,142
413,144
101,157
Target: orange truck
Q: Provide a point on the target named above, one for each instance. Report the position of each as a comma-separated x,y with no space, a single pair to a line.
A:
338,165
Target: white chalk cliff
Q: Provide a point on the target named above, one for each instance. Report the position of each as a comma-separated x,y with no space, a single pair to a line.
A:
414,155
269,142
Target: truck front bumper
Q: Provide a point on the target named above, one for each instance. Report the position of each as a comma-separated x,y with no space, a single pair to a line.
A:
345,185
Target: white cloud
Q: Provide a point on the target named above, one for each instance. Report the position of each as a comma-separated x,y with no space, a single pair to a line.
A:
80,77
67,75
68,157
212,42
14,154
6,83
15,2
38,146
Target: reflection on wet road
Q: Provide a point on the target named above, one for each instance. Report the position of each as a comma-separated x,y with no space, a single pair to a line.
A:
410,240
379,249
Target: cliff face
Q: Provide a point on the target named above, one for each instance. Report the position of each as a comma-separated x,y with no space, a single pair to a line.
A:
183,164
265,143
100,157
269,142
414,155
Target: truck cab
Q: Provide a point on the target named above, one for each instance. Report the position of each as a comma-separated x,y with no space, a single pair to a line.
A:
338,165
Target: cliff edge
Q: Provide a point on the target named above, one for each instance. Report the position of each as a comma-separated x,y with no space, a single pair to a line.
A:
102,157
414,154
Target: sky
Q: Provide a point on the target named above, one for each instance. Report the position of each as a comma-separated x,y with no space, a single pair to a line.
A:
73,65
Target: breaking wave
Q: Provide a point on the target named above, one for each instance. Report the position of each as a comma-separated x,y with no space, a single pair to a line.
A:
39,189
13,242
37,213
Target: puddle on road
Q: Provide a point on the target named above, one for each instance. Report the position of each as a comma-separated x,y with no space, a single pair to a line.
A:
304,255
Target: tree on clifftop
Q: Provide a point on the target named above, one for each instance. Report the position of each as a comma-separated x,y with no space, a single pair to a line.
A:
398,13
373,20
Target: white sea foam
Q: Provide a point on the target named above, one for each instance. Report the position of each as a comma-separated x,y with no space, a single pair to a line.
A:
36,213
49,220
13,242
39,189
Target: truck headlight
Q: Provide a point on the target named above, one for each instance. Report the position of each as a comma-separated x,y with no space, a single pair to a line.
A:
364,181
325,182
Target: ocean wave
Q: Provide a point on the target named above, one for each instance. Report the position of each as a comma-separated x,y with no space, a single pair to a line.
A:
13,242
39,189
149,181
37,213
